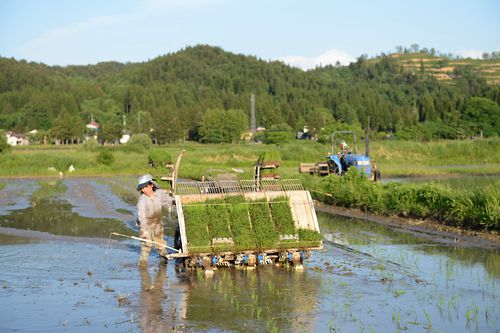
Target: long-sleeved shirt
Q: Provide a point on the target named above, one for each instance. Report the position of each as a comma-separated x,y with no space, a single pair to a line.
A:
149,208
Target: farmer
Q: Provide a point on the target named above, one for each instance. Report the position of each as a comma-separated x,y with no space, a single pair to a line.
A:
149,216
344,150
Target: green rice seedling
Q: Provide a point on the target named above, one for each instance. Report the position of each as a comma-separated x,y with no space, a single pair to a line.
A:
309,237
259,311
428,326
196,228
239,220
271,325
282,216
270,155
159,161
218,224
270,286
263,226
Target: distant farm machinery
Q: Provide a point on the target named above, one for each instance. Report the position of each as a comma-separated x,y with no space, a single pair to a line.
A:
346,158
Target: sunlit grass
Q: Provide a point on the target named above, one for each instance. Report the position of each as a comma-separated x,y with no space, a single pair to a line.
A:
394,158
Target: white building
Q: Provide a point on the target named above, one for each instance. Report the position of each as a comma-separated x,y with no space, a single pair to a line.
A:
124,139
17,139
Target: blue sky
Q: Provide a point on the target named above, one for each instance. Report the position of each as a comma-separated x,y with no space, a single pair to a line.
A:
301,33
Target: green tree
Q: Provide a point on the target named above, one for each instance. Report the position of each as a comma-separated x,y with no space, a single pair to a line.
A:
4,146
110,131
482,114
347,114
223,126
235,125
212,127
168,128
67,128
318,119
279,134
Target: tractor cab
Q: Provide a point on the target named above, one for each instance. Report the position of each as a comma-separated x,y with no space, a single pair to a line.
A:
346,157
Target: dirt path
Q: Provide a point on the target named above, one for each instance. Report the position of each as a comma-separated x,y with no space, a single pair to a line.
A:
424,228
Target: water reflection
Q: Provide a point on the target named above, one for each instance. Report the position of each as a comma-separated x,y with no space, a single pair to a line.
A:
266,299
262,300
150,300
47,213
16,195
361,233
464,182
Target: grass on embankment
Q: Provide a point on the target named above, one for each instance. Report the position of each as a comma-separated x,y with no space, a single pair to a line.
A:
409,158
394,158
476,208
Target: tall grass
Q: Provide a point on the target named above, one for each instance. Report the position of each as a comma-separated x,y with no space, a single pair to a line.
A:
439,157
393,157
473,209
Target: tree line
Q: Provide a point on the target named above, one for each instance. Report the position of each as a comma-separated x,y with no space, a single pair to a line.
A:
203,93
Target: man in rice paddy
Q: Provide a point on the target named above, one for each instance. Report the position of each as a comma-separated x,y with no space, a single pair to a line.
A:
149,217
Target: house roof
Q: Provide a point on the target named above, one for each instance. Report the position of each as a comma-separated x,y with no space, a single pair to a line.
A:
93,125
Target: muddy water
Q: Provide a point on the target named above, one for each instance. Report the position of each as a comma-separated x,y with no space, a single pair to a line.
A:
58,276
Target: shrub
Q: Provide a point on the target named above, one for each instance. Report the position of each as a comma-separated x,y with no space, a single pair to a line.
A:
279,134
139,143
476,209
158,159
105,157
91,145
62,163
4,146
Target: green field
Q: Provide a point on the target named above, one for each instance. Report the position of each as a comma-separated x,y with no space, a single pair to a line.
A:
476,209
394,158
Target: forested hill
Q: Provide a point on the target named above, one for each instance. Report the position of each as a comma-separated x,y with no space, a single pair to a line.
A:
173,93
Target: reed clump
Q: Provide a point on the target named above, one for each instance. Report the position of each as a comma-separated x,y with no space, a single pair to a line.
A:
476,209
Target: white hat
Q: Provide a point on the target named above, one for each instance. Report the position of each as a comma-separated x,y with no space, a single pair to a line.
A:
144,181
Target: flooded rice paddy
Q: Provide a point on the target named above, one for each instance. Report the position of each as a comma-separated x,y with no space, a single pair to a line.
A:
58,276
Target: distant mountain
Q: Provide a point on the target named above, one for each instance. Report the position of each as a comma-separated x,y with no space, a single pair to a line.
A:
397,92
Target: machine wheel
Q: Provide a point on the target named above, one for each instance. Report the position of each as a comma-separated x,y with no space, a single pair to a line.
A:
334,168
177,239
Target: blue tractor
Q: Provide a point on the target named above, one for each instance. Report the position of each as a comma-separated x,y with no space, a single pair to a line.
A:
345,158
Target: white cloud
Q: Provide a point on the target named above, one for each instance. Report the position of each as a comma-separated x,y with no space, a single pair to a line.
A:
61,45
162,5
60,34
473,54
329,57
